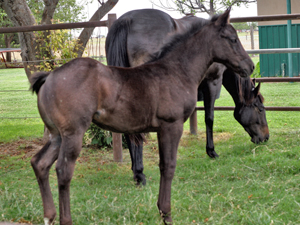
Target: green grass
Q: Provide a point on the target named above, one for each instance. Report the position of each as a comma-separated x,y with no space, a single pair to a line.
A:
248,184
19,104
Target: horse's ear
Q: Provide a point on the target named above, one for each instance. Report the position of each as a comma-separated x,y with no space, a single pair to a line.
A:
256,90
224,18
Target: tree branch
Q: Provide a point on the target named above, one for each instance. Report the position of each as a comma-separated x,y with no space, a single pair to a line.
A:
201,6
50,6
87,32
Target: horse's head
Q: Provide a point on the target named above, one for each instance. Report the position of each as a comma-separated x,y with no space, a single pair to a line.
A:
250,112
228,49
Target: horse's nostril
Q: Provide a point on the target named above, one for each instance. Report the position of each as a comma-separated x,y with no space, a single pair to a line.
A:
267,138
252,69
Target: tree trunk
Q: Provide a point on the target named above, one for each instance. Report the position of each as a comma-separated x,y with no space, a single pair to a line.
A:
50,6
87,32
211,8
7,39
20,15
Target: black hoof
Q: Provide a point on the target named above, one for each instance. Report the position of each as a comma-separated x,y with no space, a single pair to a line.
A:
166,218
140,179
211,153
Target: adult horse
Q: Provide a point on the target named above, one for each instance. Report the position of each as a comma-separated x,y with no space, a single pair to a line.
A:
137,36
155,97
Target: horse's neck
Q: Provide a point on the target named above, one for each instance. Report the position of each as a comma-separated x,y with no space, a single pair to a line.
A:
192,58
231,83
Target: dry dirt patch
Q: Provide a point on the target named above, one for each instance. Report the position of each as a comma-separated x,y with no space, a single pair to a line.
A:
21,147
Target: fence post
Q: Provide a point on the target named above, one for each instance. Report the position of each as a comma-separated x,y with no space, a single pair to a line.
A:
117,147
252,36
193,122
111,19
289,39
117,138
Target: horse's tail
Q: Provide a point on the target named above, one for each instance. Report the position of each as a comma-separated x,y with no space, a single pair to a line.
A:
116,43
37,80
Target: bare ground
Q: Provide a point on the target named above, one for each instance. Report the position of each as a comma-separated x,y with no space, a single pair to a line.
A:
20,147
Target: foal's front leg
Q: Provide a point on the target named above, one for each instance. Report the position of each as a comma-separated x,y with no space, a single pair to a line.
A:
168,140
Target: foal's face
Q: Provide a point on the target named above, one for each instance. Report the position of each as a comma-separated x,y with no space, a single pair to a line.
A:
228,49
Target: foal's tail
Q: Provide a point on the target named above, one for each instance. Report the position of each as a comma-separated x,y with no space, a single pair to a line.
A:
116,43
37,80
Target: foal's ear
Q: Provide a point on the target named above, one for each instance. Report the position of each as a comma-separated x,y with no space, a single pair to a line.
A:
223,18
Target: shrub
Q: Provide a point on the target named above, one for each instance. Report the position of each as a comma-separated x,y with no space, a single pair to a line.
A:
100,138
62,47
256,72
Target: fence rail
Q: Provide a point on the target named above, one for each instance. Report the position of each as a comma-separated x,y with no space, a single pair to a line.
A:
265,18
268,108
273,51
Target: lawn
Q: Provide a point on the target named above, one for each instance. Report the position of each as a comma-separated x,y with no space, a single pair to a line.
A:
19,117
248,184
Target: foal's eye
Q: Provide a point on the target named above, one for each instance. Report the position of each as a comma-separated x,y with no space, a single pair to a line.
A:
233,40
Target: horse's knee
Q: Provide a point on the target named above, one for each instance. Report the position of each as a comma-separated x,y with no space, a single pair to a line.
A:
209,120
64,174
167,170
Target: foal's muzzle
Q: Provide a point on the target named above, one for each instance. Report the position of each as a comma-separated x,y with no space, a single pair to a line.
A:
247,67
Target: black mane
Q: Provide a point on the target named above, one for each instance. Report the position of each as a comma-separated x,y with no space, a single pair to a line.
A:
179,38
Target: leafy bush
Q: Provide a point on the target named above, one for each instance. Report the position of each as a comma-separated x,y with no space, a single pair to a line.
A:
61,46
99,137
256,72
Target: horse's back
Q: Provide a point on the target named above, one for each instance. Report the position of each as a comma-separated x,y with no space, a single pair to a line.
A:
140,33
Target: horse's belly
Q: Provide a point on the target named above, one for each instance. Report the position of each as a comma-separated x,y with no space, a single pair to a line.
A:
125,121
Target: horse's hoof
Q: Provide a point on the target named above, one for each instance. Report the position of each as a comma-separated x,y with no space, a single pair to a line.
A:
211,153
166,218
140,179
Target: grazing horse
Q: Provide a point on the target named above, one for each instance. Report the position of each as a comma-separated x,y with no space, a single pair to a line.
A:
155,97
138,35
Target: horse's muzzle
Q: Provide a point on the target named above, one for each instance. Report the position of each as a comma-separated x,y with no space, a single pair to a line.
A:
257,139
247,68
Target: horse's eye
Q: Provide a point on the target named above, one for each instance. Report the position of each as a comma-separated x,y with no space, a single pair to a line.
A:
233,40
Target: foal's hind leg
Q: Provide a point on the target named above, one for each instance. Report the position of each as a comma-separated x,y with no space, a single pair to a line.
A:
69,151
41,164
136,154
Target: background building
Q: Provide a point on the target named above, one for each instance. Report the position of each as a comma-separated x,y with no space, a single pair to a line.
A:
273,34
